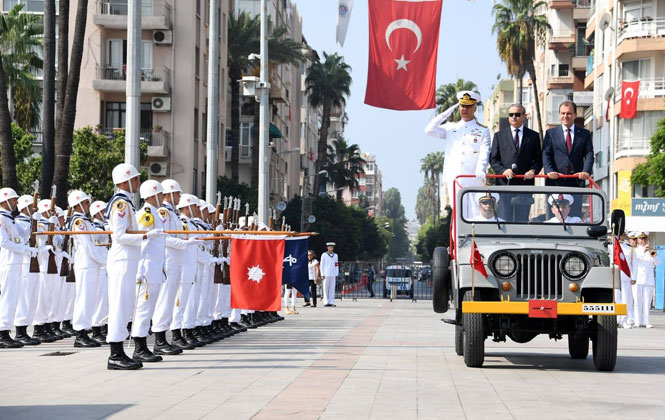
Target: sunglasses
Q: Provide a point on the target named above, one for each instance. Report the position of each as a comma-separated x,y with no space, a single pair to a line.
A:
486,202
514,114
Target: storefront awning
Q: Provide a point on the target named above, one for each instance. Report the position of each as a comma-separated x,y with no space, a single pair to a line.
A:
274,132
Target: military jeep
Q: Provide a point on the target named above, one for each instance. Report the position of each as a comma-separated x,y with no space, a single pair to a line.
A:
546,273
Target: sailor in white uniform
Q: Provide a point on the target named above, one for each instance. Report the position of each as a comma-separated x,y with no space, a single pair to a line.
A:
329,271
561,208
487,206
646,262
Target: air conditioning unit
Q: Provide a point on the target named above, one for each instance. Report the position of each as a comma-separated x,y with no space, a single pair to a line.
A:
158,169
161,103
162,37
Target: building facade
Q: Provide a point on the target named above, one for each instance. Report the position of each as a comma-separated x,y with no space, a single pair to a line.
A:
369,194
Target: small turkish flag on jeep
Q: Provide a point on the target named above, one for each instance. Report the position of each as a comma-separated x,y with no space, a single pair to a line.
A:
620,258
477,259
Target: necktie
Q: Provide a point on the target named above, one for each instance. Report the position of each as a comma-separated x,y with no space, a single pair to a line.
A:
517,139
569,140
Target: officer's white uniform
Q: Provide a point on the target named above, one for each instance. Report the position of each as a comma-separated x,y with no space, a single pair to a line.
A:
88,260
466,145
645,265
27,303
330,270
102,242
65,311
569,220
49,284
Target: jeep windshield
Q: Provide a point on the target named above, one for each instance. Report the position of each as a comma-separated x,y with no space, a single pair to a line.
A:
525,206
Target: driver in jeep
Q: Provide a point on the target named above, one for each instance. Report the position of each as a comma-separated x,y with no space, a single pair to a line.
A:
487,207
560,205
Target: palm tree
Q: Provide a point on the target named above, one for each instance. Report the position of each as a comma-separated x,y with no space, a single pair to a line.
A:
328,84
344,165
65,135
518,29
446,95
244,35
432,166
48,116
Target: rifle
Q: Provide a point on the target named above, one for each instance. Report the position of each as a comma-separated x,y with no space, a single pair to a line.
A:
271,219
218,274
254,221
226,242
64,267
236,212
34,261
52,266
246,224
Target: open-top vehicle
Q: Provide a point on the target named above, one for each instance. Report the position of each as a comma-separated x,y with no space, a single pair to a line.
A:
545,274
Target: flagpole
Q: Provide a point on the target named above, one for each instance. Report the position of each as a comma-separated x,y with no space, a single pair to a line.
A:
473,257
614,264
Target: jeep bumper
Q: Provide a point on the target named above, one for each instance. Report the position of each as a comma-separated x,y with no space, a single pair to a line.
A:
543,308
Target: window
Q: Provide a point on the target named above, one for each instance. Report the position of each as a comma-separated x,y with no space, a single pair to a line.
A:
116,59
354,194
638,9
204,129
197,62
245,139
196,124
526,96
640,128
369,167
362,181
636,69
115,115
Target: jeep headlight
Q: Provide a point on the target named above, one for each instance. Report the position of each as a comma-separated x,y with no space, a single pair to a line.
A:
504,265
574,266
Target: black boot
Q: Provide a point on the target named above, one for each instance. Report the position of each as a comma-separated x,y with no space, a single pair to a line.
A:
212,333
82,340
23,337
200,334
98,337
237,327
278,317
7,342
68,328
188,335
142,353
55,329
178,341
163,347
49,331
105,330
118,360
42,335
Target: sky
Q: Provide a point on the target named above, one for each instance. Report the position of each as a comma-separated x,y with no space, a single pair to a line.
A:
467,50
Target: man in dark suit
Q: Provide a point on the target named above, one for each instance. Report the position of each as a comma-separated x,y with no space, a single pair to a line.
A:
568,150
515,151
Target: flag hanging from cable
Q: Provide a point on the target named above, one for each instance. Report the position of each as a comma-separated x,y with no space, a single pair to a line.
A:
403,45
620,259
477,259
343,17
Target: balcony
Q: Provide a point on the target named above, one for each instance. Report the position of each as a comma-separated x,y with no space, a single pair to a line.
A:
580,62
114,79
561,4
559,79
158,141
645,27
561,41
632,146
112,14
649,88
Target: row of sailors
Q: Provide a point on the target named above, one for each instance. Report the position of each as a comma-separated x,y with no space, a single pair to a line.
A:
125,282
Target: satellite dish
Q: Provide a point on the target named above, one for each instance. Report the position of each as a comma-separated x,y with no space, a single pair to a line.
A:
311,218
498,76
281,206
604,22
609,93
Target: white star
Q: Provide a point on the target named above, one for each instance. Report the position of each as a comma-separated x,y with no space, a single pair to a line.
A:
255,273
401,63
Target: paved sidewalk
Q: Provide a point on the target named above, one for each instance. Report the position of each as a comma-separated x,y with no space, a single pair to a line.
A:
371,359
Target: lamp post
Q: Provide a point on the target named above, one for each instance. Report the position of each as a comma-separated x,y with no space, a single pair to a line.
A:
305,196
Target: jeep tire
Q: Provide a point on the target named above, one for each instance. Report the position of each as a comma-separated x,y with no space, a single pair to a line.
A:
578,346
605,344
474,337
459,340
440,280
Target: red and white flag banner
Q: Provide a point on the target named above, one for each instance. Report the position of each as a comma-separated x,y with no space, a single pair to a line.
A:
256,273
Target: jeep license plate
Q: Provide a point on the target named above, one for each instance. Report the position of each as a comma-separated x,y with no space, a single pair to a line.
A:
597,308
542,309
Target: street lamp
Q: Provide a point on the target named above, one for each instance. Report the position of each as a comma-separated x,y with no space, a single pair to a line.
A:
304,196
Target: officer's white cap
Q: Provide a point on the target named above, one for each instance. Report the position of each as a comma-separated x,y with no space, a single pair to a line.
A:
467,97
643,234
486,196
560,198
96,207
330,244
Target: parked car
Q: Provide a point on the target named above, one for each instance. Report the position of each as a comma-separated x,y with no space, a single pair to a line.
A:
400,276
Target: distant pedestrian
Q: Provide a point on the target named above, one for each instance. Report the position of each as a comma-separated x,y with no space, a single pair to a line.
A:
314,276
370,280
330,271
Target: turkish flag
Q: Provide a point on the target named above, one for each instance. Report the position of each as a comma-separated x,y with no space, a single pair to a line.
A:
620,258
477,259
403,44
629,94
256,273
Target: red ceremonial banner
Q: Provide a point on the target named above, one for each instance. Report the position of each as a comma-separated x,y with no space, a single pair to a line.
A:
629,93
256,274
403,45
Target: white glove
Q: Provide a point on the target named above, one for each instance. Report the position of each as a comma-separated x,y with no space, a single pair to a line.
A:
192,241
32,251
64,254
448,112
53,220
46,248
480,175
36,216
155,233
226,260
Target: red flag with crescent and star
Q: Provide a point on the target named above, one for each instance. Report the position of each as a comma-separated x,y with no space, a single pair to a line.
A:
629,93
403,45
620,258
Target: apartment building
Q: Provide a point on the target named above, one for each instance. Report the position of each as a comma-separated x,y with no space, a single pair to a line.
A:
370,188
561,60
174,71
629,44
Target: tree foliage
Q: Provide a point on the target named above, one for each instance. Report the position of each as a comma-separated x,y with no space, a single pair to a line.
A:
652,172
446,95
27,164
344,165
241,190
394,210
432,234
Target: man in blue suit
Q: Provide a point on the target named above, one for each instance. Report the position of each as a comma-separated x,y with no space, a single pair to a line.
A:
568,150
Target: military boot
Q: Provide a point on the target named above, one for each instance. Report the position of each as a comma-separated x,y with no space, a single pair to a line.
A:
41,334
55,329
23,337
118,360
238,328
163,347
82,340
200,334
142,353
97,336
188,335
7,342
68,328
178,341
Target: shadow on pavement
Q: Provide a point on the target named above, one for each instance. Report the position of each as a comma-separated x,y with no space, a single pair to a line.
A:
625,364
64,412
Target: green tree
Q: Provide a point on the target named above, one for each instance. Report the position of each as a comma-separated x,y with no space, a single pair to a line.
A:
228,187
446,95
344,166
518,29
425,201
432,166
28,164
433,233
394,210
328,84
48,112
652,172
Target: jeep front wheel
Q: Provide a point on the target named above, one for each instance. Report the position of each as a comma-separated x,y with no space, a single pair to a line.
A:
605,344
474,337
459,340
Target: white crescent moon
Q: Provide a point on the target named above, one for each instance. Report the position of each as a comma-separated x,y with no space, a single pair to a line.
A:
631,90
404,24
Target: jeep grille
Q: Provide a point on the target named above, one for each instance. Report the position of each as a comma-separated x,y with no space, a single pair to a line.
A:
538,276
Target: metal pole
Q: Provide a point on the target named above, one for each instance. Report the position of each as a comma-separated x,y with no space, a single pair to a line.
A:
264,155
212,153
613,120
133,93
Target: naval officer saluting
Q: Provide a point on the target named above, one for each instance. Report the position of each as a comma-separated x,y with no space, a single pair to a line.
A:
466,145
